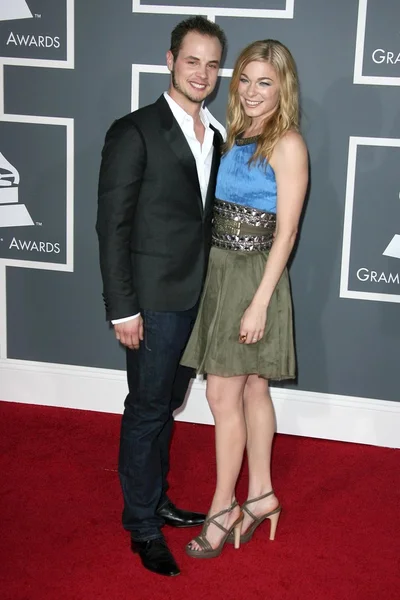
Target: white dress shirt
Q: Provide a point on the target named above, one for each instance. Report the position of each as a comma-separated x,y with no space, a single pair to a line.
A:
203,153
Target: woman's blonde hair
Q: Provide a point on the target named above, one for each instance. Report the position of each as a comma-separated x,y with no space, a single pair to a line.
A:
286,114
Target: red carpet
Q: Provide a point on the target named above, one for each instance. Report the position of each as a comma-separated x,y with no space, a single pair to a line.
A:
338,537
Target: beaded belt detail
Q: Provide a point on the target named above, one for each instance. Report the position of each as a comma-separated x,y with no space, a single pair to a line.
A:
238,227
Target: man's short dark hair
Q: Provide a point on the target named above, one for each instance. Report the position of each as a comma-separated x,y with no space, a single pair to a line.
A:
199,25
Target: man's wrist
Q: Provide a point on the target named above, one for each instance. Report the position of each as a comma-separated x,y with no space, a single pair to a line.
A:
125,319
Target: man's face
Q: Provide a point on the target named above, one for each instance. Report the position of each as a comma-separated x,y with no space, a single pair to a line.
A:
194,72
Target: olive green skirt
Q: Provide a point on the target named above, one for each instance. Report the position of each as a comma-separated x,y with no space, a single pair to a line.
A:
232,280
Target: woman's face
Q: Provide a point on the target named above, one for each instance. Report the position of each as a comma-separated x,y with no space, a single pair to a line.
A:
259,90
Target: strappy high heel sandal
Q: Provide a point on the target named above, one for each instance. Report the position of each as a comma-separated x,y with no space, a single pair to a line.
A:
273,516
207,551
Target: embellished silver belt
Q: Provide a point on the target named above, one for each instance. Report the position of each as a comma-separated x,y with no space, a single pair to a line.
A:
238,227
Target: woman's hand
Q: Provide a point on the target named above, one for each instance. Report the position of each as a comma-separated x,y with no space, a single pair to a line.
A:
252,325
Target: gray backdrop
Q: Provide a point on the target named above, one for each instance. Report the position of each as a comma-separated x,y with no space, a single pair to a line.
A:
346,291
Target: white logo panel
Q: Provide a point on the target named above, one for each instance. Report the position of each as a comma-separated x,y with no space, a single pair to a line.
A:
371,245
38,35
35,198
377,56
393,248
14,9
202,8
21,242
12,214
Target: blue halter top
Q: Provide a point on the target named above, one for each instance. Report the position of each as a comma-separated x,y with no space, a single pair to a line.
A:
253,186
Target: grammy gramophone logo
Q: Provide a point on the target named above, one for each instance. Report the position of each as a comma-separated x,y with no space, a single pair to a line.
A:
12,214
14,9
393,249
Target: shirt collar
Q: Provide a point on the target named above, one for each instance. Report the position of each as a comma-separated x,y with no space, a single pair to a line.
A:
182,116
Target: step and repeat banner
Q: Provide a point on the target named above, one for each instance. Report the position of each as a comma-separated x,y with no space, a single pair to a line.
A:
68,69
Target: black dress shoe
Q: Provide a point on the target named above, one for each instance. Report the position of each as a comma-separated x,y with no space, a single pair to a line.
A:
156,556
176,517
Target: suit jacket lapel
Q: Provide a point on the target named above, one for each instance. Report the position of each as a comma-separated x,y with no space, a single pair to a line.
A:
179,146
214,170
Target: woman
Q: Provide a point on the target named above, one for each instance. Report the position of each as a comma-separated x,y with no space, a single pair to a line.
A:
243,335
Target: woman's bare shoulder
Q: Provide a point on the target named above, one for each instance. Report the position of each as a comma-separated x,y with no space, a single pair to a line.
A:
291,142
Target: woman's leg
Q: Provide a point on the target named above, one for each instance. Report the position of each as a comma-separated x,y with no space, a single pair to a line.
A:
225,397
260,425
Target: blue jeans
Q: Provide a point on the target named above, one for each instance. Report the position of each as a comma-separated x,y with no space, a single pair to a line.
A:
157,386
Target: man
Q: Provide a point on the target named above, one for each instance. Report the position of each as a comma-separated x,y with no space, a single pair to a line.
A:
157,182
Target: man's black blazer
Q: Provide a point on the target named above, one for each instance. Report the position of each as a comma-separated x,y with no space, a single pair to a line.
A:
154,233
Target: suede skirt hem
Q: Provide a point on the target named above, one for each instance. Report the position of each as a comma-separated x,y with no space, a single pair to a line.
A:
213,348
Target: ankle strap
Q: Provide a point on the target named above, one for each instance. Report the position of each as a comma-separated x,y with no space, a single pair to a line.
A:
212,518
258,498
248,511
226,510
